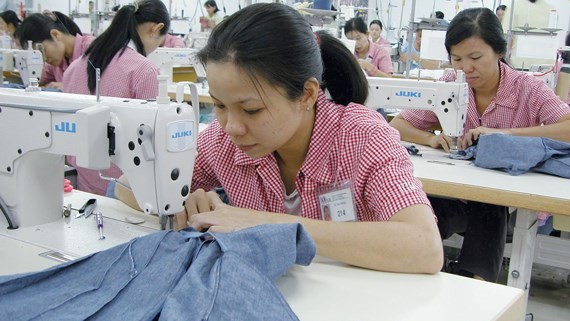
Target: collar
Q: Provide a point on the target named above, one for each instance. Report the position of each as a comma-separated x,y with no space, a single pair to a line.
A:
504,96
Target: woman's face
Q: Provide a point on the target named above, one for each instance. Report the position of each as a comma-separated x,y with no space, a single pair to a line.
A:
375,31
257,116
210,10
477,60
149,33
54,49
3,25
361,39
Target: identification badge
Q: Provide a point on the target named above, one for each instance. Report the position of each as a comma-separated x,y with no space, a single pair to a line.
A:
337,203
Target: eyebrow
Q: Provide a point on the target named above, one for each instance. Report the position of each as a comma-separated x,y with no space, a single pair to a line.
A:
238,102
471,53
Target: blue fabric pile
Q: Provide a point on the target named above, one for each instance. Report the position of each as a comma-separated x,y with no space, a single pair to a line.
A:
167,275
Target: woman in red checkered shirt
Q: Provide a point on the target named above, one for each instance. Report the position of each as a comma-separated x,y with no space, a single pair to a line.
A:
286,153
502,100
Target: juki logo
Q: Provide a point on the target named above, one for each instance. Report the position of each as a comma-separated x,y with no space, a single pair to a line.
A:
185,133
66,127
414,94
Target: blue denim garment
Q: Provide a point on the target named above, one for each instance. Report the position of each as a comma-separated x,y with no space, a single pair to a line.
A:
154,274
519,154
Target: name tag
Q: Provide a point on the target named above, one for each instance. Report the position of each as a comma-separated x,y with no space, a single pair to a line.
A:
338,205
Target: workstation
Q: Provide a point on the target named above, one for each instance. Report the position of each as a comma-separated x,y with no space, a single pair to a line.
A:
161,158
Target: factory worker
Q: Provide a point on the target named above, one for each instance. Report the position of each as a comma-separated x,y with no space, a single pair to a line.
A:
373,58
61,40
120,52
284,152
501,100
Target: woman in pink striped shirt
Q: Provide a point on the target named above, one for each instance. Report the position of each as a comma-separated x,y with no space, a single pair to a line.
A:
62,43
373,58
120,52
279,146
501,100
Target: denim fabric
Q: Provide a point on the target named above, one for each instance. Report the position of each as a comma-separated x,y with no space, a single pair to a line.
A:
221,275
519,154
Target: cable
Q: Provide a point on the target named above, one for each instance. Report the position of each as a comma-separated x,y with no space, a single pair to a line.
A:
4,209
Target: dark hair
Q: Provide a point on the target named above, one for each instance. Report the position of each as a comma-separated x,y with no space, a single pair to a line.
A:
501,7
122,30
439,15
247,39
68,23
10,16
376,22
212,4
355,24
37,28
476,22
566,55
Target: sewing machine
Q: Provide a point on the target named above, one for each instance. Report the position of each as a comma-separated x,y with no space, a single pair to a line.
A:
448,100
152,142
29,63
166,59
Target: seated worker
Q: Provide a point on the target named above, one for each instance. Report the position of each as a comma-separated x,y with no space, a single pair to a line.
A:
376,33
172,41
373,58
62,43
9,21
501,100
214,17
120,52
280,148
500,12
416,61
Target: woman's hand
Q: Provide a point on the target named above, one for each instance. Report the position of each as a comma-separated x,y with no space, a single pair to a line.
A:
441,140
367,66
473,134
197,202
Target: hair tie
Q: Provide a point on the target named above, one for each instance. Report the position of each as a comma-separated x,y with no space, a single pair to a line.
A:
318,38
135,6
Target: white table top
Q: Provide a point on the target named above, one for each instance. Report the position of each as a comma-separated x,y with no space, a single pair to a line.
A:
462,179
325,290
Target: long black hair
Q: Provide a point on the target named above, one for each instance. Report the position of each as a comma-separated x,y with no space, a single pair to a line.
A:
37,28
122,30
248,39
10,16
212,4
476,22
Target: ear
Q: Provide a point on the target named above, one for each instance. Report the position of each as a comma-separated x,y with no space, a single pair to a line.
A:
157,28
55,34
310,94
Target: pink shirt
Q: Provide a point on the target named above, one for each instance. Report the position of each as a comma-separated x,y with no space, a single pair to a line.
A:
521,101
379,58
130,75
382,42
52,73
172,41
348,142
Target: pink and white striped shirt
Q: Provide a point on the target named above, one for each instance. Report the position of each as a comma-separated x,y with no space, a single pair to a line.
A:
52,73
128,75
521,101
172,41
379,58
348,143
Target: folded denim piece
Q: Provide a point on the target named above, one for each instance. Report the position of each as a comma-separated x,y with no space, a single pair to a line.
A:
520,154
172,275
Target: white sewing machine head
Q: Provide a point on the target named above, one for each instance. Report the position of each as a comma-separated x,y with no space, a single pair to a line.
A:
448,100
153,143
29,63
168,58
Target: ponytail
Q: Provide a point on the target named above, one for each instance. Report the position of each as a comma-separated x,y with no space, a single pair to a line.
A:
122,30
342,75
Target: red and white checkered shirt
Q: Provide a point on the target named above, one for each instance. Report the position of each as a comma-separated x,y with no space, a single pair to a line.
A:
348,143
55,73
521,101
128,75
173,41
